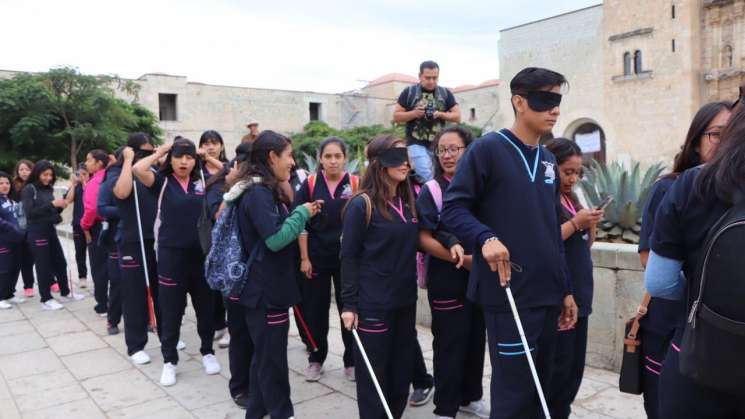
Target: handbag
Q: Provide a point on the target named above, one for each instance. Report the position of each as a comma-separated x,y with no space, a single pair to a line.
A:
630,379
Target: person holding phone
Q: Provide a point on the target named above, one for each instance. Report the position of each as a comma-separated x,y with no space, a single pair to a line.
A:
578,231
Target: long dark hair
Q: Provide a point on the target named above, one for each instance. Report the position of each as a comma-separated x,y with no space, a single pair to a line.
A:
689,155
330,140
100,156
10,181
40,167
212,135
724,174
19,183
564,149
465,135
258,164
166,168
375,181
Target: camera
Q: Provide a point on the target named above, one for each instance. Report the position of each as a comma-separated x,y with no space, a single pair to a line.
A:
429,111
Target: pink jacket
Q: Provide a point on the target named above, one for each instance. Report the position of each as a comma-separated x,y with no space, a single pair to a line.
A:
90,195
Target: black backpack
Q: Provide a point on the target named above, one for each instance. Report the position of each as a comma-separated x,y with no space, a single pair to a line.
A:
714,337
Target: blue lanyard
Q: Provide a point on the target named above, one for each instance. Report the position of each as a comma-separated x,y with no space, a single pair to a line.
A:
525,160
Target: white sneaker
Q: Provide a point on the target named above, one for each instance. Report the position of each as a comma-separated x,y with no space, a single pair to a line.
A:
224,342
444,417
16,300
478,408
168,376
140,358
52,305
72,297
5,305
220,333
180,346
211,366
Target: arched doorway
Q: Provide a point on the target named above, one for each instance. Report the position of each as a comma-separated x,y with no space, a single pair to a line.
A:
591,139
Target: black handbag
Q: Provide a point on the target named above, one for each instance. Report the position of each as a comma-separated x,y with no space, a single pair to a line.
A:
630,379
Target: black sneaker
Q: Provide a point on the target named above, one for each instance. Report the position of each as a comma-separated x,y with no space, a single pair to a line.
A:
421,396
112,330
241,401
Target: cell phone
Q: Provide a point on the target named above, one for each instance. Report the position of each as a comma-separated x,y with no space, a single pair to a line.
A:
605,202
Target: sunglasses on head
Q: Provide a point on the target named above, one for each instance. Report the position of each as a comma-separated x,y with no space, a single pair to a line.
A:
541,101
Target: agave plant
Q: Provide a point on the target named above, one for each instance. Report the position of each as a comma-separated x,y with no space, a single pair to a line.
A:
629,189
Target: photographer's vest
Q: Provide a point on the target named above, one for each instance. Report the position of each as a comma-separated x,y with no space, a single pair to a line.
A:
420,130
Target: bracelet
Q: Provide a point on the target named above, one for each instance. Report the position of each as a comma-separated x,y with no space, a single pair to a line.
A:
576,228
490,239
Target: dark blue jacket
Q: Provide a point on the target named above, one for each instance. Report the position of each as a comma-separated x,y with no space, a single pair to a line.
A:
147,200
492,195
179,211
106,206
11,234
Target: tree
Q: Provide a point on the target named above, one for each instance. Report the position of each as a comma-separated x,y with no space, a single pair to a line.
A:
62,114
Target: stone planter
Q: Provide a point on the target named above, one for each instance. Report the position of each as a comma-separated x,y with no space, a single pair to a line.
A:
619,286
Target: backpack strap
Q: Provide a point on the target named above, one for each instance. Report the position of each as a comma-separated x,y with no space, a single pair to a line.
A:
311,185
436,192
354,182
413,95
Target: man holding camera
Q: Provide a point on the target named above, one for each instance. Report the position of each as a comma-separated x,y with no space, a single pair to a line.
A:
425,107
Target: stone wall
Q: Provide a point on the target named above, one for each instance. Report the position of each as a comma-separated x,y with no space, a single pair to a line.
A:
619,287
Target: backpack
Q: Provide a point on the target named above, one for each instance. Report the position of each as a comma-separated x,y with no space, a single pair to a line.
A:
227,265
422,259
354,182
714,336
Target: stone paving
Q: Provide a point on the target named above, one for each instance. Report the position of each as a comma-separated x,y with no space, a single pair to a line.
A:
63,365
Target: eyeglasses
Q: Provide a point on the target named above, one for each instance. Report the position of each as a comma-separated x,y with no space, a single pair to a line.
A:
714,136
453,151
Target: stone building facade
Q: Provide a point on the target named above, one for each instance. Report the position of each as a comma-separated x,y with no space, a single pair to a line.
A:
638,69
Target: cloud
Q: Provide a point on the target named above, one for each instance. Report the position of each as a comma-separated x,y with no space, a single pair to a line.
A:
322,45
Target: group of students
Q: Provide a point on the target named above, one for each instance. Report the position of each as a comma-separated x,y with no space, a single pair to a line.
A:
498,219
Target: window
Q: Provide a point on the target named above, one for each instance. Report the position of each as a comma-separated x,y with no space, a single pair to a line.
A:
315,111
727,56
673,45
637,62
673,11
167,106
626,63
473,114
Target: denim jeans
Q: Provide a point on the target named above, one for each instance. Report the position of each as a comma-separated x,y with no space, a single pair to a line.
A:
421,157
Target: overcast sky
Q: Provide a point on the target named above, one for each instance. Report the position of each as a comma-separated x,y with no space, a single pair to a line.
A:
318,45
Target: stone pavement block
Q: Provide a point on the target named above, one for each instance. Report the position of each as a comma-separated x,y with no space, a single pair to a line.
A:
301,390
39,317
582,413
122,389
330,406
18,327
8,409
52,328
12,315
224,410
76,342
590,387
80,409
94,363
21,343
50,398
154,409
29,363
338,382
195,389
40,383
615,404
117,341
4,390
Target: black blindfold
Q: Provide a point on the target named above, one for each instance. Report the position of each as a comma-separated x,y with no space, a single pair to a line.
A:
393,157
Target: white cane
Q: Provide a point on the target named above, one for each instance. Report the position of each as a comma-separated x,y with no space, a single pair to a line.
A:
526,348
150,303
372,373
